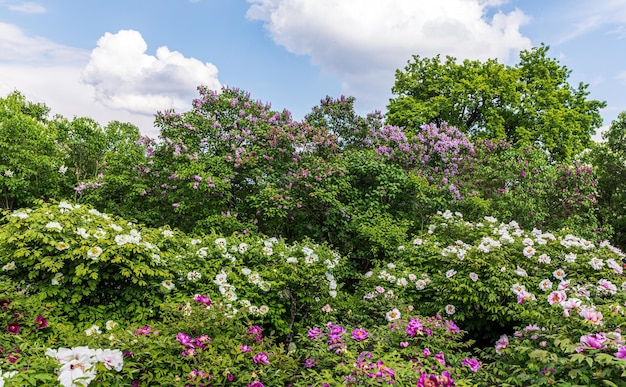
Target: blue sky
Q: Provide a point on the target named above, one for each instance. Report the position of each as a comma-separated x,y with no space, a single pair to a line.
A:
125,60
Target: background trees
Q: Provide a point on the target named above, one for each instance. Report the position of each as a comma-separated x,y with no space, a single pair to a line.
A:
530,103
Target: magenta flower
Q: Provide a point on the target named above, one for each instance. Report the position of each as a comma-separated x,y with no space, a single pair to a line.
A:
41,322
145,330
621,352
256,331
184,339
255,384
244,348
13,328
261,358
359,334
314,333
202,299
473,364
310,362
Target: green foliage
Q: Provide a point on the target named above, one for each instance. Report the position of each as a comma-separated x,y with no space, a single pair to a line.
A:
609,161
523,185
29,158
531,103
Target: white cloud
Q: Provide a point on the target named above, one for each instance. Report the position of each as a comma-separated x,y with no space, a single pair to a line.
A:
118,81
587,16
363,42
24,6
16,47
125,77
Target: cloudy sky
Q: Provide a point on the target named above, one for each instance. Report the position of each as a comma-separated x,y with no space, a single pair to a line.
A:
125,60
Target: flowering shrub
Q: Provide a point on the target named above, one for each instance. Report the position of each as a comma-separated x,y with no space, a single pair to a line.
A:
492,276
72,255
406,351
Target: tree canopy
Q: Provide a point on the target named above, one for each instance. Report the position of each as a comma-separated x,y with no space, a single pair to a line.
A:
530,103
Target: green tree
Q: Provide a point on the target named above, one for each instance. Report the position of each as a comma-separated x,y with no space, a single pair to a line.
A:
609,161
530,103
29,157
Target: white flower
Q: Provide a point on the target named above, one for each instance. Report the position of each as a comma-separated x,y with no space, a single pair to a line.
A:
82,232
111,358
420,284
8,173
268,250
596,263
402,282
243,247
221,242
62,169
521,272
93,330
527,242
109,325
517,288
450,273
78,368
63,206
58,277
391,265
332,293
544,258
393,314
311,258
263,309
292,260
94,252
246,271
253,309
168,285
417,241
167,233
122,239
254,278
450,309
473,276
54,226
230,295
545,285
115,227
529,251
202,252
412,277
100,234
326,308
221,278
559,274
20,214
193,276
569,258
9,266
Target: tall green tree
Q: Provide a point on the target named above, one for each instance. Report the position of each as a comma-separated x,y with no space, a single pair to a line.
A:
609,161
531,103
29,157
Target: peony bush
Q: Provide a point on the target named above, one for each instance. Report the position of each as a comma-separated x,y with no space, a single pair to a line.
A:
87,298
